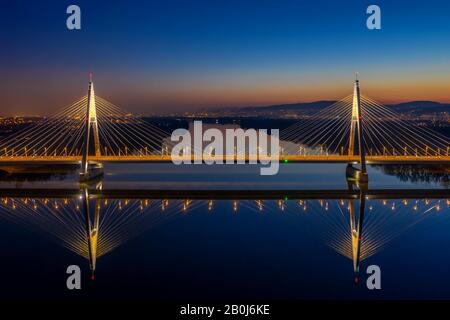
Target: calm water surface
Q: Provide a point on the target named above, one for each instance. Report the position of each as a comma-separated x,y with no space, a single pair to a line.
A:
207,249
290,176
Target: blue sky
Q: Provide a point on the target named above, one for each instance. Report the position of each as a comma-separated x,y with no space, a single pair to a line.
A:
182,55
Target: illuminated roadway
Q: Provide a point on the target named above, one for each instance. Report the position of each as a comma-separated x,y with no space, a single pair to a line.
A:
43,160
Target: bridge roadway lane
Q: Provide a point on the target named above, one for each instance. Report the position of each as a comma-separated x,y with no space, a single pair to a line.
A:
5,161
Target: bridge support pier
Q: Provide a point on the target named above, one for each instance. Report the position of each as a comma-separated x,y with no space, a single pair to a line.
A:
93,172
356,174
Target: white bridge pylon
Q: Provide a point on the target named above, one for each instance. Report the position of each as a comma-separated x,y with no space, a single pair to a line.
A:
91,122
356,129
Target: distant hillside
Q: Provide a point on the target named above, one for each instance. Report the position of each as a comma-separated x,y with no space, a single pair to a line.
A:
421,107
275,110
316,105
414,107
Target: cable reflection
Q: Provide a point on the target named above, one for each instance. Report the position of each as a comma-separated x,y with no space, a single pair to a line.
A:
92,227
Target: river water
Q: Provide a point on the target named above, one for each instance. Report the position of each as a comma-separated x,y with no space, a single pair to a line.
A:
205,248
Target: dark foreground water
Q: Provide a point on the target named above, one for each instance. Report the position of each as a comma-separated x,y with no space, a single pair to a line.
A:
228,249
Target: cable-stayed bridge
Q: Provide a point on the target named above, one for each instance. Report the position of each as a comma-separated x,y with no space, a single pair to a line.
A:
356,129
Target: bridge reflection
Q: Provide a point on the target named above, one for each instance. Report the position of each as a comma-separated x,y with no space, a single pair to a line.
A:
93,222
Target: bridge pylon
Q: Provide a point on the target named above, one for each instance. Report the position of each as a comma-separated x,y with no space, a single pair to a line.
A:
356,134
88,171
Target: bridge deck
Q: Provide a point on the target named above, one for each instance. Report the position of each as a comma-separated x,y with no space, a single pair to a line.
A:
287,158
